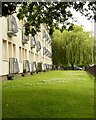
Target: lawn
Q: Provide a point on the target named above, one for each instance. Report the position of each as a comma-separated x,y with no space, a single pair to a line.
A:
54,94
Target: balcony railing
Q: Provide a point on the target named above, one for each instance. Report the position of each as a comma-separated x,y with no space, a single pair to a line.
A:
39,66
13,66
44,50
38,46
33,67
26,66
12,28
33,42
25,38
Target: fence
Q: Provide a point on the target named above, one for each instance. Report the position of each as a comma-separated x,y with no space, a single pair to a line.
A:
91,70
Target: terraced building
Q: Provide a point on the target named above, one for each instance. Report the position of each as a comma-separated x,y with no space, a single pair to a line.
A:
20,53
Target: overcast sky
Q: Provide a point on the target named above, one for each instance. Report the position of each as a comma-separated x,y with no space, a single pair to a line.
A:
82,20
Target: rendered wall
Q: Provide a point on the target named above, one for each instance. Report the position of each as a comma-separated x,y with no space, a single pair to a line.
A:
29,54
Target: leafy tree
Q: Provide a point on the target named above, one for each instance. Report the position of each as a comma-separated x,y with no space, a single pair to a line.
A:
56,48
94,51
9,8
72,47
50,13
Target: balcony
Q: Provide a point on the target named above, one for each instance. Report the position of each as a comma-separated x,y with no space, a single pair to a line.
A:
50,42
26,66
44,34
44,50
13,67
47,52
38,46
39,67
33,42
33,67
46,38
25,38
12,28
45,67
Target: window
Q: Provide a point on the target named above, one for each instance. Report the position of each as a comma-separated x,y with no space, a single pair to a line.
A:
36,57
4,49
10,49
14,51
20,54
25,54
32,56
29,56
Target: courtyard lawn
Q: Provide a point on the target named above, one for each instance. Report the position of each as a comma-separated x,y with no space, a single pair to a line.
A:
54,94
95,97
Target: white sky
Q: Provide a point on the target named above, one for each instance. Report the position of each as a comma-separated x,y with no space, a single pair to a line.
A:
82,20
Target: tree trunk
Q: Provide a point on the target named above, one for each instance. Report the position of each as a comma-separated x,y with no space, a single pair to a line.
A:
72,65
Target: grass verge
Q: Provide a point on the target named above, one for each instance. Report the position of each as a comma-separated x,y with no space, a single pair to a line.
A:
54,94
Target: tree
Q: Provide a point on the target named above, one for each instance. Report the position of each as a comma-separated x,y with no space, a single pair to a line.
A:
9,8
56,48
94,51
72,47
51,13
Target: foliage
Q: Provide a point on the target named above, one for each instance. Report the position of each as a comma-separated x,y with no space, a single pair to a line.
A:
51,13
94,51
54,94
72,47
9,8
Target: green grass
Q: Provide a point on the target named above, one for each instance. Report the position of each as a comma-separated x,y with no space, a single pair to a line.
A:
54,94
95,97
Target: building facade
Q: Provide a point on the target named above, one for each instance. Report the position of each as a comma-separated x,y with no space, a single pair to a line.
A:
20,53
